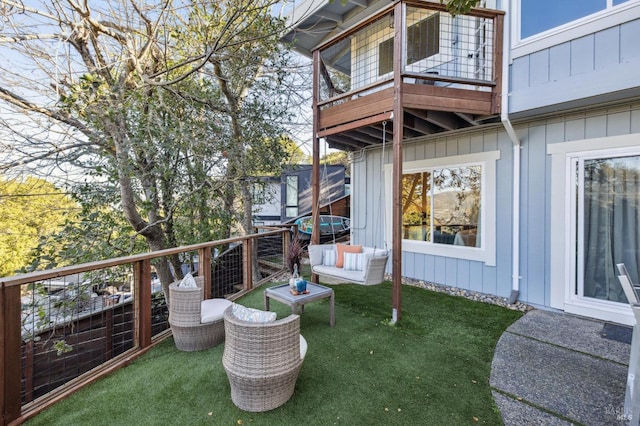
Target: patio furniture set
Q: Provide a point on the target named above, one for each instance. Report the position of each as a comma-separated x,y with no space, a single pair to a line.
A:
263,356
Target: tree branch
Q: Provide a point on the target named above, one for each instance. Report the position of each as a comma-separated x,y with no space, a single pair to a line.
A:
25,105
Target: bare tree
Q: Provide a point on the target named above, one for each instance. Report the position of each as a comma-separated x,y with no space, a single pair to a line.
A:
162,100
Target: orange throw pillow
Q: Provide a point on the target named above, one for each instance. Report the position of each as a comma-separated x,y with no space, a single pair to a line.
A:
345,248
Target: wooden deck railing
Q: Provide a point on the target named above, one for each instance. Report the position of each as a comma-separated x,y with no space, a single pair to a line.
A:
64,328
412,57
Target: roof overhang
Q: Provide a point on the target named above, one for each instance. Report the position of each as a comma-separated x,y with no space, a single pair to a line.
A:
312,22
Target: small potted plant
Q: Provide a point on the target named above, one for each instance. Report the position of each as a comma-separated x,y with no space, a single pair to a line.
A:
294,255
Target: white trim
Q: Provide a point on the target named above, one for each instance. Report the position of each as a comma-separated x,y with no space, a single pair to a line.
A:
595,144
588,25
613,312
487,252
563,229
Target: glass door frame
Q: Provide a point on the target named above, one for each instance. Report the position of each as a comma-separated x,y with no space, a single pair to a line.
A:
576,215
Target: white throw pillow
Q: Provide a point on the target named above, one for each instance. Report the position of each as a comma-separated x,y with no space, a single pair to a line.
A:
252,315
329,257
188,281
353,261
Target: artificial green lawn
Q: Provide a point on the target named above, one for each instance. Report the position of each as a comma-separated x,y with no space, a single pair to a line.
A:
431,368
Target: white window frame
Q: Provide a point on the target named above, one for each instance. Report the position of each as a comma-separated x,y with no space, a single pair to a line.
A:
562,257
487,251
292,191
611,16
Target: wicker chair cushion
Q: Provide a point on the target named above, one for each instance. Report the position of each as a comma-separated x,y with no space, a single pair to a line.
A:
188,281
252,315
303,347
213,309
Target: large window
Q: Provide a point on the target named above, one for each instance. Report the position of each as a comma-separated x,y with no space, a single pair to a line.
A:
442,206
448,206
537,16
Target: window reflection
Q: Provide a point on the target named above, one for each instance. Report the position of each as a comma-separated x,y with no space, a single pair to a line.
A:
443,206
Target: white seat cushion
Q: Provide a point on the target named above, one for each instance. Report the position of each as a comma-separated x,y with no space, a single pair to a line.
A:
332,271
303,347
213,309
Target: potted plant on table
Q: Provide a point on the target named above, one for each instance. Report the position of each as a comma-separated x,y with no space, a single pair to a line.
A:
294,256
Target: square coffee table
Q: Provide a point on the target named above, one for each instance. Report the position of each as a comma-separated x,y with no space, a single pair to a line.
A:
282,293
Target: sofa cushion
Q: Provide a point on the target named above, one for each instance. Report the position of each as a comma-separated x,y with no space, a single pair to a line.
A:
213,309
329,257
341,273
344,248
374,252
315,252
252,315
354,261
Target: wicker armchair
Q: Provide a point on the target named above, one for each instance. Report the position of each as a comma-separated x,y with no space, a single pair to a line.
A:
262,360
196,324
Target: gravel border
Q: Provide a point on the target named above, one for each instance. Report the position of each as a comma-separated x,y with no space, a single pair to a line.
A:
467,294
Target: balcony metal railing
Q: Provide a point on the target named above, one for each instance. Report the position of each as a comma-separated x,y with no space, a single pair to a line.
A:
439,49
63,328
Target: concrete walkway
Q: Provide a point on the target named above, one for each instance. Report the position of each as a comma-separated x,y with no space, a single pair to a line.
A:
553,368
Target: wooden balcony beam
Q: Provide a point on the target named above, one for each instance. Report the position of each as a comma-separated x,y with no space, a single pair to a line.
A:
421,97
347,142
416,122
370,105
359,135
354,124
468,118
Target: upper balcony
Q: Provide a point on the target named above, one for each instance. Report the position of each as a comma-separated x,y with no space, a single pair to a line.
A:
449,73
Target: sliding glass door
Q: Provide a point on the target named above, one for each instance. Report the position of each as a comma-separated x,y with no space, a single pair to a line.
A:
606,205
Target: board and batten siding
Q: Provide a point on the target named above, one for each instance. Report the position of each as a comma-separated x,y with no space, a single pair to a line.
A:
369,219
368,199
600,64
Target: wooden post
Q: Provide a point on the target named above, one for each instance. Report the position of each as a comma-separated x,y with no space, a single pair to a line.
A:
247,270
285,247
204,269
398,124
498,51
142,294
10,353
315,174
